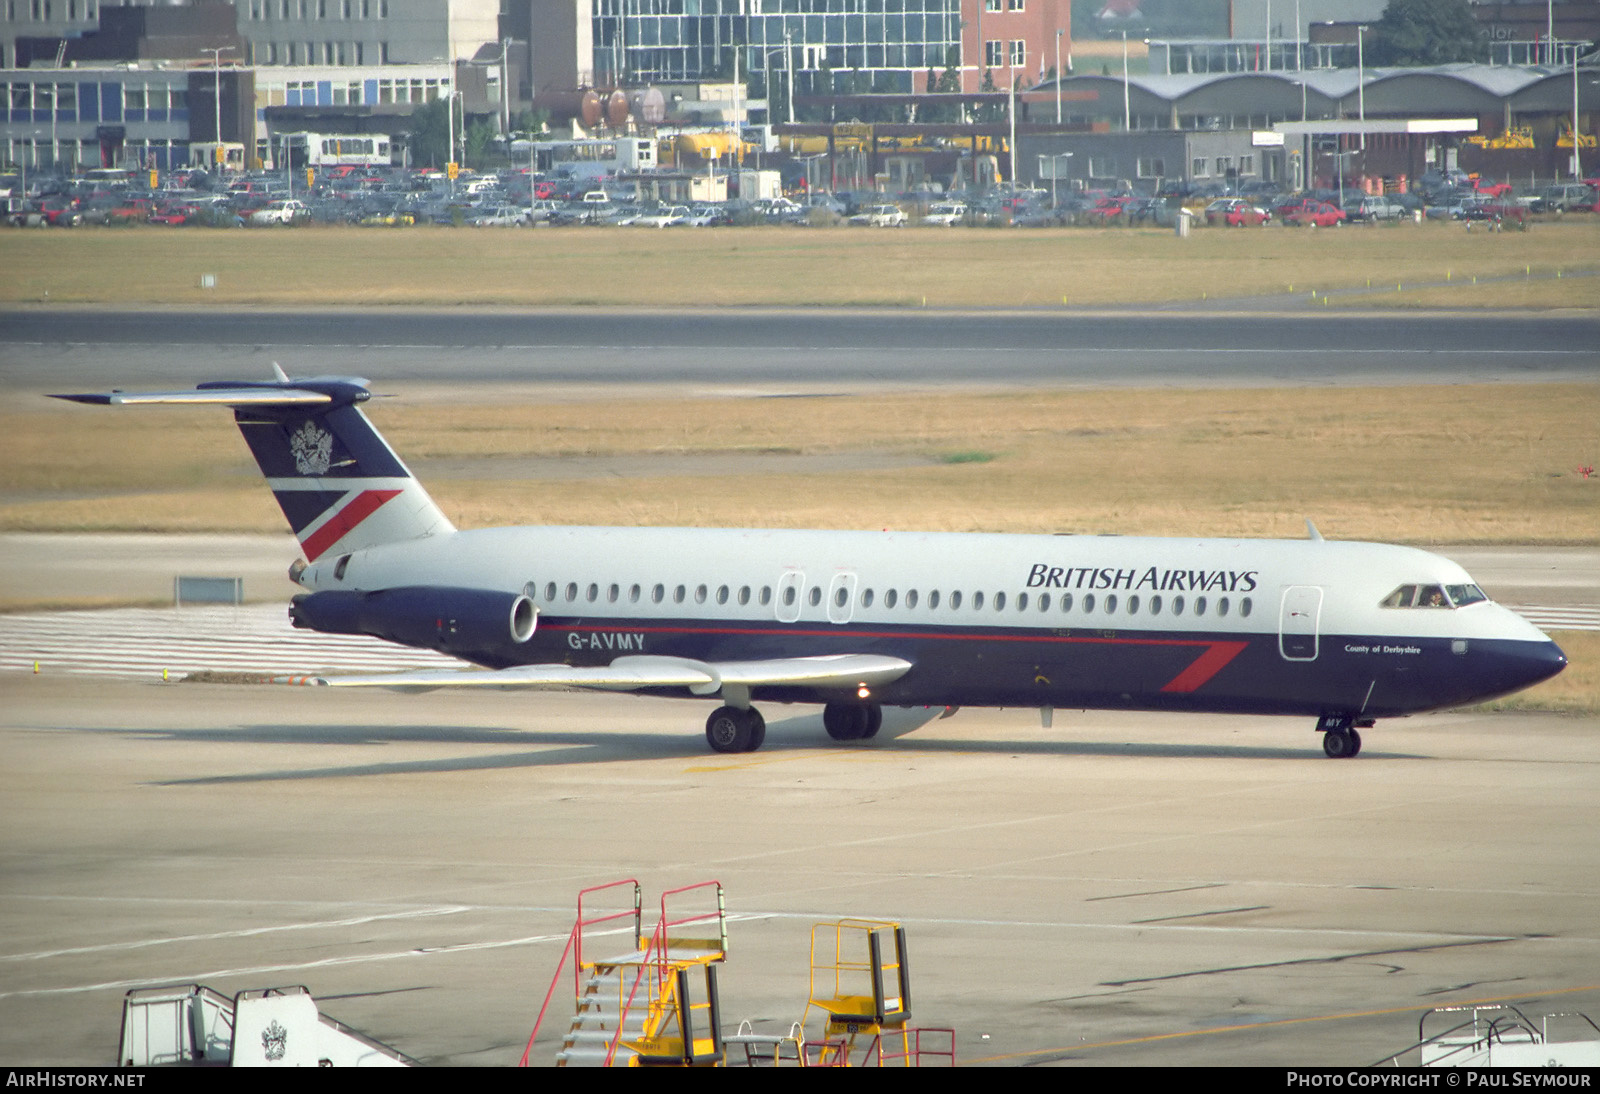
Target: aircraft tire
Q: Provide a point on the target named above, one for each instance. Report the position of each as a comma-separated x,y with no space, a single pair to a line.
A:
874,722
845,721
758,729
729,730
1340,744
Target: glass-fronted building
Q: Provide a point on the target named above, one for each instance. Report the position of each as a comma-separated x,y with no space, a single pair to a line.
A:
829,45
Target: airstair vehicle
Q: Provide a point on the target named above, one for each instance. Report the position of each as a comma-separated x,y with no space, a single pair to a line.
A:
189,1025
1500,1036
656,1003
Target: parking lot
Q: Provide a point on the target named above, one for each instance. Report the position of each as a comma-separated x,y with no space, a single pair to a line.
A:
520,197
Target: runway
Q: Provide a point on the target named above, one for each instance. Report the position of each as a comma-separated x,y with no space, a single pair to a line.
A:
1120,889
42,349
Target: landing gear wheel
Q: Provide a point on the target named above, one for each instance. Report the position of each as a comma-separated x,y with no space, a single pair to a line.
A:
758,729
845,721
1341,744
874,722
729,730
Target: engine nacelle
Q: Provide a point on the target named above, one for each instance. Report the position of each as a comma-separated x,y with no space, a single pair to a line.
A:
457,621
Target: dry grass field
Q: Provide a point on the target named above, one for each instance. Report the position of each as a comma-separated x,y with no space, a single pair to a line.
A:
797,267
1466,464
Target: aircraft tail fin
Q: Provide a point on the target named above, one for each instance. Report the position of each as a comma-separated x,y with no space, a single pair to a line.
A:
336,479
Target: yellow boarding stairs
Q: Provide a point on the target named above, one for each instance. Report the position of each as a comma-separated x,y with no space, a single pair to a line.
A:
655,1004
860,998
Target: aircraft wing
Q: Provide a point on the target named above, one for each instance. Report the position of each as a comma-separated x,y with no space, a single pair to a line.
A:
850,670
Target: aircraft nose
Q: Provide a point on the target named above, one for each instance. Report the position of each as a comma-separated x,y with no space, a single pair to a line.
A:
1528,664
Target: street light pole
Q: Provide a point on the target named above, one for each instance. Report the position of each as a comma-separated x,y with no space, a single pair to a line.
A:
1058,81
1127,122
216,95
1361,82
1577,156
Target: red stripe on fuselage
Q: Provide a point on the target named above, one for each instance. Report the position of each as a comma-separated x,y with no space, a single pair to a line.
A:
1207,665
1213,659
362,506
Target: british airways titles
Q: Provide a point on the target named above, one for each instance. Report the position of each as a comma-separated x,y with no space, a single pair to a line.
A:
1045,576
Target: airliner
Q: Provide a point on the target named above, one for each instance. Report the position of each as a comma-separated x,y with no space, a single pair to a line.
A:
1343,633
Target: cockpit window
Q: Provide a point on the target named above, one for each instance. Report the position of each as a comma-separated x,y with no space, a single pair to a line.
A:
1433,596
1400,598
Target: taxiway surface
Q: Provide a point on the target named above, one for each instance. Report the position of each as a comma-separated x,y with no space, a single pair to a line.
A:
1121,889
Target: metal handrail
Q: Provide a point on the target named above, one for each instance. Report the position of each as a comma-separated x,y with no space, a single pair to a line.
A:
572,937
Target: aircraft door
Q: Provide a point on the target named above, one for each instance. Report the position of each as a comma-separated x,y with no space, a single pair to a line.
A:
1298,621
842,598
787,602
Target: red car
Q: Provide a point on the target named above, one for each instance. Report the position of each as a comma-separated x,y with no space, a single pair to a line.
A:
1236,213
1316,214
1107,210
174,212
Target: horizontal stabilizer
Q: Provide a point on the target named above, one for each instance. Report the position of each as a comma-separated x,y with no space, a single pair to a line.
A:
636,673
225,396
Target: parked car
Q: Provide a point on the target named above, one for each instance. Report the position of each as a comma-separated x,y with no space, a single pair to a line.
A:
499,216
1372,207
1314,214
283,212
880,216
1236,213
945,214
1566,197
662,216
1107,210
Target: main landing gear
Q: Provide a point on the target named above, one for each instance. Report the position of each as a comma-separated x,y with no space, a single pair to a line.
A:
852,722
730,729
735,729
1340,740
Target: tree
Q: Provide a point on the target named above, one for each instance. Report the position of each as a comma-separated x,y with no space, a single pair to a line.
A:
430,133
476,143
1427,32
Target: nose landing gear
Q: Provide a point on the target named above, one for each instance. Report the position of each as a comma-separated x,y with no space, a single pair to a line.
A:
1340,739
